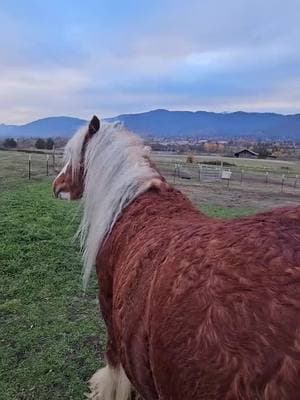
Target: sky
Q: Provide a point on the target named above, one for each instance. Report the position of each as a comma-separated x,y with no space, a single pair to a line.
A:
77,58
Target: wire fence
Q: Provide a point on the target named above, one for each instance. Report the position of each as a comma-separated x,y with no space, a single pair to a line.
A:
191,174
34,165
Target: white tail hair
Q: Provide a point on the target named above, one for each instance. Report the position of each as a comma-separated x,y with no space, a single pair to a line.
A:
110,384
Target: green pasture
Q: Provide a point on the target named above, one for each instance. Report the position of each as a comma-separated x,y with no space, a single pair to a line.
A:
52,339
51,336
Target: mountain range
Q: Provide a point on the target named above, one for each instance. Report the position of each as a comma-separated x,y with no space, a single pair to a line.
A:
43,128
164,123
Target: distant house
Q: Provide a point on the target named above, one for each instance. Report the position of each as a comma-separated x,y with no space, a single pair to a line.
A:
246,153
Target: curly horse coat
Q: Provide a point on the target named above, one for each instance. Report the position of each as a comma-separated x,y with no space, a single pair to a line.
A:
195,307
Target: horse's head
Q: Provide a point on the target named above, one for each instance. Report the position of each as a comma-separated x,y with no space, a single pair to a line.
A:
69,182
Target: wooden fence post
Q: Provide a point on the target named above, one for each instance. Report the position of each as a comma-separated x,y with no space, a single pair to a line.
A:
175,171
53,158
47,165
282,182
29,166
267,177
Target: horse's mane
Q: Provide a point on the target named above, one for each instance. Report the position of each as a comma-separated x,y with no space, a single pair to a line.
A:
117,170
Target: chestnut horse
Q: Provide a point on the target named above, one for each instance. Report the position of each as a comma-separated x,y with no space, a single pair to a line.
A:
195,307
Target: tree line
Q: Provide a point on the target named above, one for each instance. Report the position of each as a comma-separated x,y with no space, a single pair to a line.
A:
44,144
39,144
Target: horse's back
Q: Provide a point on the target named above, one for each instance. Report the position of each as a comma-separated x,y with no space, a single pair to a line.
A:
209,309
225,316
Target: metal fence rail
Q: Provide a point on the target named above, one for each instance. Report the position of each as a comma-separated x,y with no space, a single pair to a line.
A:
205,173
37,165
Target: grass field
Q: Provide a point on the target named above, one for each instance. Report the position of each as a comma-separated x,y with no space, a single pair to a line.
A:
51,336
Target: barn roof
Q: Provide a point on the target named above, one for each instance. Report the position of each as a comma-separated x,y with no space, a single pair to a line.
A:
246,151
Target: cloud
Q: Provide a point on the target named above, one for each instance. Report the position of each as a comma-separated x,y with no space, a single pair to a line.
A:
74,58
29,93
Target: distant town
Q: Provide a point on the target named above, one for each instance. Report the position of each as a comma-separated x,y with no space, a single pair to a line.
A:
243,148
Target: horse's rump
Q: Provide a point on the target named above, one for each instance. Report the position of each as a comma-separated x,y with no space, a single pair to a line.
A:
204,300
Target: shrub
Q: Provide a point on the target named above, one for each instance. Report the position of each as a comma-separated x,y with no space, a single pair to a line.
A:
10,143
40,144
49,143
190,159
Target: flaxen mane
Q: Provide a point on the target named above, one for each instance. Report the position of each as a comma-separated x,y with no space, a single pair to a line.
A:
117,171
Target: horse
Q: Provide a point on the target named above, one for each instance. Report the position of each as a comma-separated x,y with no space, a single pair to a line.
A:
196,308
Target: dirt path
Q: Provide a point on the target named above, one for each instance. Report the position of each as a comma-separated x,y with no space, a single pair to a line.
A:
258,197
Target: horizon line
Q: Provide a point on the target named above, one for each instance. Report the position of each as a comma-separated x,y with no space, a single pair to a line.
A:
152,110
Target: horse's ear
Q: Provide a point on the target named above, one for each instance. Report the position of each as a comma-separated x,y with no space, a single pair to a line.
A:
94,125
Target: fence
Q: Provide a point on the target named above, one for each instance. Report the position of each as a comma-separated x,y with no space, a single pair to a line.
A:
47,165
37,165
188,173
204,173
29,165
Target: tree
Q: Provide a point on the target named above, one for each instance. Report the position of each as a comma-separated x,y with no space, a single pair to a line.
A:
49,143
10,143
40,144
190,159
262,150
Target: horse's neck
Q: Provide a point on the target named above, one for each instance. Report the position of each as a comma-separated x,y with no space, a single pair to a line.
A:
161,204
